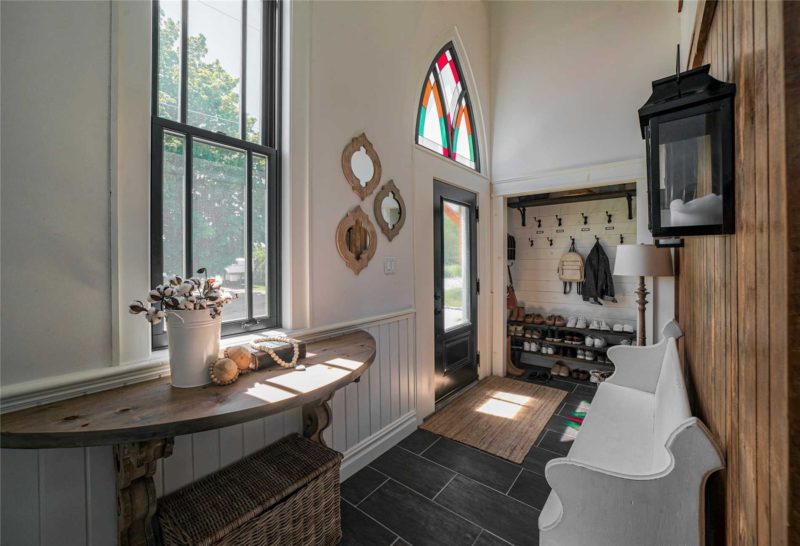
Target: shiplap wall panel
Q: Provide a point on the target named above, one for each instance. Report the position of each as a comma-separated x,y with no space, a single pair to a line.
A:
101,500
534,271
67,496
19,496
733,291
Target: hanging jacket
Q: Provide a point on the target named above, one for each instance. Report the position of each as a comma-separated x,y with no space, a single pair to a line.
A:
599,284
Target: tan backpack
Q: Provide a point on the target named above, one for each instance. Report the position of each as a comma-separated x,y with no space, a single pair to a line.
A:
570,269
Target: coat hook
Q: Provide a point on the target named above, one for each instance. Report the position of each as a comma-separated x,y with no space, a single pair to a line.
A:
530,241
585,219
608,215
538,221
621,239
572,240
559,220
596,239
549,240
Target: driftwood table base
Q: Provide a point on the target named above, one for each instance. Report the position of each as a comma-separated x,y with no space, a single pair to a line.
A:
317,416
136,491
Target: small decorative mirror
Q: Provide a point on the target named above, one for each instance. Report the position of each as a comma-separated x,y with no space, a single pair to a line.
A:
361,166
356,240
390,210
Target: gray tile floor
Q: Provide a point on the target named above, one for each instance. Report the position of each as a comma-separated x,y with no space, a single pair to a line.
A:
428,490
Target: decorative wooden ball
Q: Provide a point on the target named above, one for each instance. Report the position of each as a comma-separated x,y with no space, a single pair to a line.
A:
223,371
241,356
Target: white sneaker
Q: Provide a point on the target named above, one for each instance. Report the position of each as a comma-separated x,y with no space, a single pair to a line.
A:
581,323
627,328
526,346
571,322
617,327
595,325
604,326
534,347
589,341
599,343
588,355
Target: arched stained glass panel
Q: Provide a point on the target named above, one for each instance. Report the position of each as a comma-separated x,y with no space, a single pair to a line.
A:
463,139
432,130
445,122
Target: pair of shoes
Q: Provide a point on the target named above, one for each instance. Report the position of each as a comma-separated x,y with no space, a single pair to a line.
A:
550,350
560,369
604,326
599,343
528,319
581,323
598,376
571,322
585,355
538,319
581,375
595,325
559,321
536,334
558,336
550,320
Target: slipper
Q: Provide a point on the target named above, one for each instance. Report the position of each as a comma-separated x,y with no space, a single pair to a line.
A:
538,319
560,321
550,320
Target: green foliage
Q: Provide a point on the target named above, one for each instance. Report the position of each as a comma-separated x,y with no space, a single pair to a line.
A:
452,271
453,297
219,174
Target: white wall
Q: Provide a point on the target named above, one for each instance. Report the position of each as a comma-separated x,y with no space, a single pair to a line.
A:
569,78
55,188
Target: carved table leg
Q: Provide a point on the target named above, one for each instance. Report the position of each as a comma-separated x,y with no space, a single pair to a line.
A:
316,418
136,492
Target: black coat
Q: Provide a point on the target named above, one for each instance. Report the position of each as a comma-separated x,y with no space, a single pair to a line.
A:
598,284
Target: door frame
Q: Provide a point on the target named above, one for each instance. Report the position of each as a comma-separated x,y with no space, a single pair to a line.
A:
440,194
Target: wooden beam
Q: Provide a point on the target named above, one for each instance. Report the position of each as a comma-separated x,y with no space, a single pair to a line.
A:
700,34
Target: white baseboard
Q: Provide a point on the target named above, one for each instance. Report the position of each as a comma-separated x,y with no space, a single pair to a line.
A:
369,449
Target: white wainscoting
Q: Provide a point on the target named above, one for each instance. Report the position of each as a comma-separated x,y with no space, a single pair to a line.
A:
67,496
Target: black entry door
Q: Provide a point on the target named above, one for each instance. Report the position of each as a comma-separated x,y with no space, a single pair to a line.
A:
455,288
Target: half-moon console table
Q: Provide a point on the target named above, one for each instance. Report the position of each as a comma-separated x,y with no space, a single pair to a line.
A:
141,420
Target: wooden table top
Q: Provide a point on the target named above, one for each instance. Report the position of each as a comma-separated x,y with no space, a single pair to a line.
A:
155,409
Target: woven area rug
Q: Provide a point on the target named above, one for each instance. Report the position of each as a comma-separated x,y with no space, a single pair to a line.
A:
498,415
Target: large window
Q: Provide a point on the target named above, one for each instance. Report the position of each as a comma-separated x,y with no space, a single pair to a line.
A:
444,119
215,189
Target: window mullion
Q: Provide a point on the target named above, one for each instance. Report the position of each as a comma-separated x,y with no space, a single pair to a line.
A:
188,246
444,108
243,83
184,60
249,237
267,71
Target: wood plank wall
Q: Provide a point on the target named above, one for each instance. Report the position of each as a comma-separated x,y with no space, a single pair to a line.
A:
734,292
67,496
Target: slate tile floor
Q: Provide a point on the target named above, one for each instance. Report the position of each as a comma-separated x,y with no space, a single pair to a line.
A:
428,490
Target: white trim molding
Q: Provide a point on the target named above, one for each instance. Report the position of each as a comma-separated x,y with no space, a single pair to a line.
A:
602,174
369,449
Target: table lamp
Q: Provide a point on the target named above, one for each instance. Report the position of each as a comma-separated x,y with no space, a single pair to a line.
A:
642,261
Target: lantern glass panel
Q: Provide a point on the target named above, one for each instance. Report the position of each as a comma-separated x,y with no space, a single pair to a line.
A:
690,186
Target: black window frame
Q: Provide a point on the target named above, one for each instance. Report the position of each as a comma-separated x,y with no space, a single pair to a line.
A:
464,93
270,136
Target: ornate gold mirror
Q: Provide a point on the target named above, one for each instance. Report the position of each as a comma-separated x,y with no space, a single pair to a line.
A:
390,210
356,240
361,166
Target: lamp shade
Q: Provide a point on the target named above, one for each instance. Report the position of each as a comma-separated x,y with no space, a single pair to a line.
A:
643,261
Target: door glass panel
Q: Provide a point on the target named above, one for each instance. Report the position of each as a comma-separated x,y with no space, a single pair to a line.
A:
456,258
219,215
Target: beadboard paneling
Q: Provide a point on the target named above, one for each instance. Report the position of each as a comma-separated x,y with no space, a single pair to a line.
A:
534,271
67,496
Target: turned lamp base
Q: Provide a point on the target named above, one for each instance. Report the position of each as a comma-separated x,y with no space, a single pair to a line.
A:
641,294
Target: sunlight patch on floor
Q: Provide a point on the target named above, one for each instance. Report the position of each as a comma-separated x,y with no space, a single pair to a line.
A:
504,404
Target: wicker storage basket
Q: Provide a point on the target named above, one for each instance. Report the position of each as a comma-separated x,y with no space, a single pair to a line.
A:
285,494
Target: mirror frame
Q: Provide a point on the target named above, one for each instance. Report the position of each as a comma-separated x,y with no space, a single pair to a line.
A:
377,209
352,147
350,219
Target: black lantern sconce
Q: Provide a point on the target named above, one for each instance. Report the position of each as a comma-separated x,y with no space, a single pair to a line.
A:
688,126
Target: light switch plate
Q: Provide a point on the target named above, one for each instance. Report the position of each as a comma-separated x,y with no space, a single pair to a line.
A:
389,265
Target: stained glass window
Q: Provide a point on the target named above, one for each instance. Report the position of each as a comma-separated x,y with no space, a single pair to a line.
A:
445,112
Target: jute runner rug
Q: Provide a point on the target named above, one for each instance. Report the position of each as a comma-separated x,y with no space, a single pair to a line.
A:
498,415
